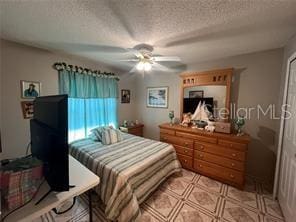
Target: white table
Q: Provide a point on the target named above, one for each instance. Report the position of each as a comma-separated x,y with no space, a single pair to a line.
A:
79,175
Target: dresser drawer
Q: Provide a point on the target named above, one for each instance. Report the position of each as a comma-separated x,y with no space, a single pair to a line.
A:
221,151
165,138
222,161
167,131
233,145
184,151
176,140
220,172
185,161
197,137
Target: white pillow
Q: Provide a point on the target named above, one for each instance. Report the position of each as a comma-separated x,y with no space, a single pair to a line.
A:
110,136
97,132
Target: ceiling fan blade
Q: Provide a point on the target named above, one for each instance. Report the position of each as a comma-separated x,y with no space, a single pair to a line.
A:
129,60
161,67
121,18
134,69
166,58
135,52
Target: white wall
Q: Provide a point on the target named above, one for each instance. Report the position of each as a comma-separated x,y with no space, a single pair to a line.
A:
20,62
152,117
256,81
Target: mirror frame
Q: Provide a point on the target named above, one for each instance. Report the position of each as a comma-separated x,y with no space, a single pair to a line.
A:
219,77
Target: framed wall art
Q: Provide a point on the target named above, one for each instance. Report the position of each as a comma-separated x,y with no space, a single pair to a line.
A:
125,96
28,109
30,89
157,97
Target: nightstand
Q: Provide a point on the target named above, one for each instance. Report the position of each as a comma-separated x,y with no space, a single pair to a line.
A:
136,129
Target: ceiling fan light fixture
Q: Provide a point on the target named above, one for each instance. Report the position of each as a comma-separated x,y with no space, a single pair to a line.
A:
140,66
147,66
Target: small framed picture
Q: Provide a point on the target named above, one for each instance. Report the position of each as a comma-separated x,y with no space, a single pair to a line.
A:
28,109
196,94
30,89
157,97
125,96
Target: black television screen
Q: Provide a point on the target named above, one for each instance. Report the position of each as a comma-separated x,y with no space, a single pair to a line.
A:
49,139
190,104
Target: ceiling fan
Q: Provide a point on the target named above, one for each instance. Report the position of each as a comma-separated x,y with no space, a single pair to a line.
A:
145,60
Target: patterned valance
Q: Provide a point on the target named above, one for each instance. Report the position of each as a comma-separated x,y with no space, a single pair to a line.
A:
59,66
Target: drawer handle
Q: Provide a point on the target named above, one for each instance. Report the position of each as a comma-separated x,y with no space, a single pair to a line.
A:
200,155
233,164
201,147
234,155
186,144
185,161
231,176
200,165
185,151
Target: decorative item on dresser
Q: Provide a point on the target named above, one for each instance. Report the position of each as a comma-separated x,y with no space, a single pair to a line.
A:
136,129
217,155
239,122
171,116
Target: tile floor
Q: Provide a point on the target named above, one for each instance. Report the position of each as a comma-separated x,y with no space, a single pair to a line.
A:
190,197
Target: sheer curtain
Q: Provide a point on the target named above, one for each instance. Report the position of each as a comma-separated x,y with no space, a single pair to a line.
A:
92,101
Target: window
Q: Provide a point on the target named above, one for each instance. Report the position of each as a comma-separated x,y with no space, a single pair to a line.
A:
86,114
92,98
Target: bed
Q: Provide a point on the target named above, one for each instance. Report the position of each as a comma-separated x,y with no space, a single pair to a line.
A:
129,170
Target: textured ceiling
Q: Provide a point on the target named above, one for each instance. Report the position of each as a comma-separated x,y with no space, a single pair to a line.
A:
193,30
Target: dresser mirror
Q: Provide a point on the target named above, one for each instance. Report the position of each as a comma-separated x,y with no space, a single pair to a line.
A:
214,97
211,88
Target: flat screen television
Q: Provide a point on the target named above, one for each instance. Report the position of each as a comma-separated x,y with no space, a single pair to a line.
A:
49,139
190,104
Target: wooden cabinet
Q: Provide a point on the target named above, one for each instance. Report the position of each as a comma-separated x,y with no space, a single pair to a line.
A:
136,130
217,155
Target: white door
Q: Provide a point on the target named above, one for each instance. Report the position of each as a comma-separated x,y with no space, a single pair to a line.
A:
287,180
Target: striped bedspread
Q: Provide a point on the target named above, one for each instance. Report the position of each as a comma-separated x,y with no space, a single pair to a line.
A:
129,170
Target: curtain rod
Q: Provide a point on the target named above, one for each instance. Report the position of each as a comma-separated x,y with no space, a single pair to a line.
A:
64,66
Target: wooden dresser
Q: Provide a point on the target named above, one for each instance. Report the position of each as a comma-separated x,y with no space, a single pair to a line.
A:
216,155
136,130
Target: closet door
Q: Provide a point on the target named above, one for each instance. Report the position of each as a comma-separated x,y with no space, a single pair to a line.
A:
287,182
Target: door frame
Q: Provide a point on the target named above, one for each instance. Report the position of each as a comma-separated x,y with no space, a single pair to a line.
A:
282,125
